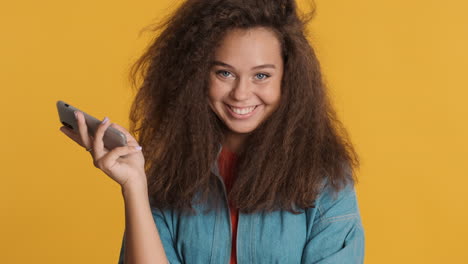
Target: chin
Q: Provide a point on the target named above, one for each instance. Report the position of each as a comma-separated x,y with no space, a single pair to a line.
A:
241,129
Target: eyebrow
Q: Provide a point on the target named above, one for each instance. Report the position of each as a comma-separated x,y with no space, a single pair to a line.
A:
219,63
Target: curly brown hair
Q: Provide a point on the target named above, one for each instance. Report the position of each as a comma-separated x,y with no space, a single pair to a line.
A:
284,162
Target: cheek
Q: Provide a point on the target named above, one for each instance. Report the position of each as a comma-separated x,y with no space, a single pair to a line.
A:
214,95
272,96
216,90
212,88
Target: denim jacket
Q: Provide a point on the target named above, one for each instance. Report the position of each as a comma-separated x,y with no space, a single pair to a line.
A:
331,232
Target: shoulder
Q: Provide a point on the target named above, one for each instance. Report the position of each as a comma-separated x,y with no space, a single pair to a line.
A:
346,196
336,205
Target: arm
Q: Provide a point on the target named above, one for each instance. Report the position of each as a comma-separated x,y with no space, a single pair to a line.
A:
142,243
125,165
337,234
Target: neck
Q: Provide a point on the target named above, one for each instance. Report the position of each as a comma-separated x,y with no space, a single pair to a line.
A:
234,142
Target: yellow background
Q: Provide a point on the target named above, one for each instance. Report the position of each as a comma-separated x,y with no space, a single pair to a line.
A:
397,71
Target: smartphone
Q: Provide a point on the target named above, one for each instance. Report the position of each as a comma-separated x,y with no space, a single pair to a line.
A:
112,137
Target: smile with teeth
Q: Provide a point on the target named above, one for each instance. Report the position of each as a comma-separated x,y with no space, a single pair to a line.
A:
242,111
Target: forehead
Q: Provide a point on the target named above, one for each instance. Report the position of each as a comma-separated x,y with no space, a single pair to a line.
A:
249,47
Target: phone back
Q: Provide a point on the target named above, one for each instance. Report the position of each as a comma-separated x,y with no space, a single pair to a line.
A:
112,137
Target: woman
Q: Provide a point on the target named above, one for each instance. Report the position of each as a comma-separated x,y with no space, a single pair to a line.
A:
243,158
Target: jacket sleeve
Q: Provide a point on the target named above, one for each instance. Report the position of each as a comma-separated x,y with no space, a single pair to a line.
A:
166,235
337,234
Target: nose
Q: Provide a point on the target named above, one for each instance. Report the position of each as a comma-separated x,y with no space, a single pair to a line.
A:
241,89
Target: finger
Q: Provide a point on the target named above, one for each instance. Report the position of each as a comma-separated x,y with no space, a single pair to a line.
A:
130,139
83,130
71,134
108,161
98,144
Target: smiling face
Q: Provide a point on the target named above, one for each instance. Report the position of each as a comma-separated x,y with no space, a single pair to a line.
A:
245,79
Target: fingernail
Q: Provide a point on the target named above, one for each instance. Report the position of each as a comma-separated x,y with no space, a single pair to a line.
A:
138,148
76,114
105,120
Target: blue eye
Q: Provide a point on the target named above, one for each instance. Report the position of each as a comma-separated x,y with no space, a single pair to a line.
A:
224,74
262,76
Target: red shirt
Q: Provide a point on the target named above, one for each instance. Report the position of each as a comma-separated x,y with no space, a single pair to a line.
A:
226,164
